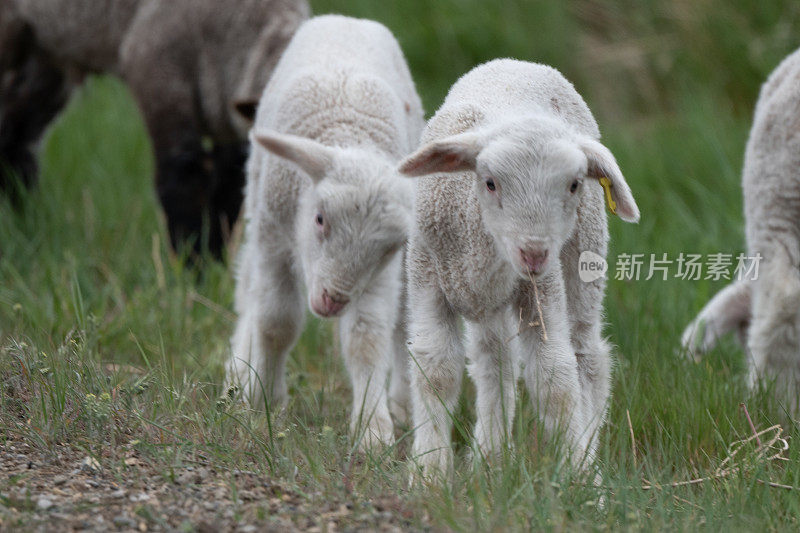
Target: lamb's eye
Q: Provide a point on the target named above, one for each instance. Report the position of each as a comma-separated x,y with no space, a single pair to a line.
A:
490,185
574,186
320,220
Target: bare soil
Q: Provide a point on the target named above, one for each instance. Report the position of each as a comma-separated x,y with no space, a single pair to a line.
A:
67,490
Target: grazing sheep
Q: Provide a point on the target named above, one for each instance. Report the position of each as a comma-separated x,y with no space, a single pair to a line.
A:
766,311
515,198
190,65
324,204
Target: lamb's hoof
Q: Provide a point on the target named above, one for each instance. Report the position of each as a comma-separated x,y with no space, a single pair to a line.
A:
421,476
434,467
400,412
597,482
378,435
492,452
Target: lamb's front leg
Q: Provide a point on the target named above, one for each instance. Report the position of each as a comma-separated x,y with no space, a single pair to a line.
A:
270,318
437,365
550,366
366,334
493,370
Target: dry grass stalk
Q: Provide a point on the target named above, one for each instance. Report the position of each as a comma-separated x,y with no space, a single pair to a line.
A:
750,421
633,439
161,279
771,450
534,323
539,322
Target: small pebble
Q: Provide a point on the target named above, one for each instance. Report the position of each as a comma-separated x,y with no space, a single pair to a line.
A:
124,521
210,506
90,464
44,503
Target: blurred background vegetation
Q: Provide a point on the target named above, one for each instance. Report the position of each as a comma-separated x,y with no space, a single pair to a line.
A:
631,59
672,85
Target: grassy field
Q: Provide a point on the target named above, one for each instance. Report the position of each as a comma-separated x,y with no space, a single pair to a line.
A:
111,348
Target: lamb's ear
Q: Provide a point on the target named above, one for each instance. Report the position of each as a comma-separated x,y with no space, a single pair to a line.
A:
602,164
312,157
246,109
450,154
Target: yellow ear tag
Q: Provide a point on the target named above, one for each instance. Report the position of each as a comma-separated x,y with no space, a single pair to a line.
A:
606,184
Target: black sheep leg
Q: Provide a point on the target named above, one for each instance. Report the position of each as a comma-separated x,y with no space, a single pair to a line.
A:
201,192
32,93
229,166
184,181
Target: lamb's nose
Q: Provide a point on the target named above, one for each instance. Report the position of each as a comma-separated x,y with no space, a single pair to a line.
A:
534,259
333,301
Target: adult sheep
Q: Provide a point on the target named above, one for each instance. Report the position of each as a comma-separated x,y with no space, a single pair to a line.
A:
765,312
189,65
512,200
325,206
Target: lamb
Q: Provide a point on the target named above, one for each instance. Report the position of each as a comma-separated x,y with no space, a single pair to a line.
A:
192,66
325,205
512,199
766,311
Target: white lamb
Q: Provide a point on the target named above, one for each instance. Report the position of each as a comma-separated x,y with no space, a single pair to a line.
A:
515,198
325,206
766,311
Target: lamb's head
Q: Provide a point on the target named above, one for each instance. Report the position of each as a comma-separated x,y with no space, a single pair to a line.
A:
351,224
529,177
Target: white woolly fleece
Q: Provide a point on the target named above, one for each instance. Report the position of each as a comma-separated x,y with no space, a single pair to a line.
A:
766,312
327,212
510,163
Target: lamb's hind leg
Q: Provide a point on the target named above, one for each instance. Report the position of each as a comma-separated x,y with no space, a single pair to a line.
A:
399,394
271,316
774,340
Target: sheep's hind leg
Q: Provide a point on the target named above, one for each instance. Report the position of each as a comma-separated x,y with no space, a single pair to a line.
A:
399,394
774,340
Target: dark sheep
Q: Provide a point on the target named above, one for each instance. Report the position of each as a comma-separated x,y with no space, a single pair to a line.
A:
195,67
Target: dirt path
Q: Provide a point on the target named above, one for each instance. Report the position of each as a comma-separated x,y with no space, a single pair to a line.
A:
69,491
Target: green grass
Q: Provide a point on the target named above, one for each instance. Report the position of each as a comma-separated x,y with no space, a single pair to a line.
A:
86,279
